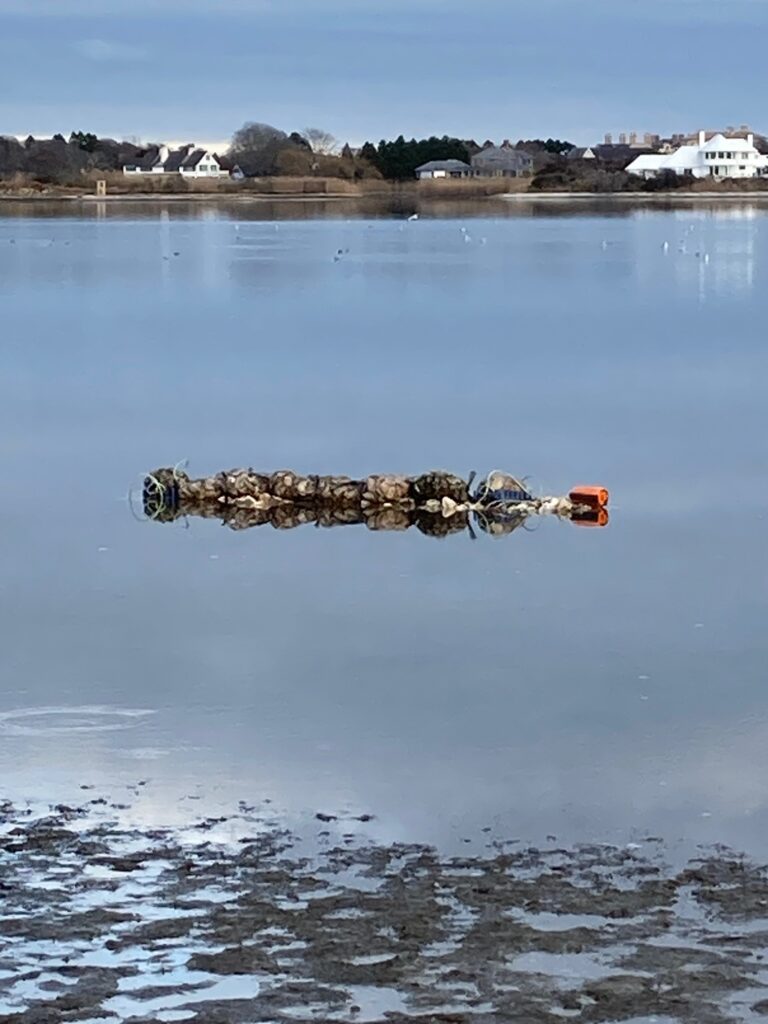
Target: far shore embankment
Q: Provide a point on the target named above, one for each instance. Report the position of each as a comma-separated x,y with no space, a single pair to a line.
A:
752,196
304,190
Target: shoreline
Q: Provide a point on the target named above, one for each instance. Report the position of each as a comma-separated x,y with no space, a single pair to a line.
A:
636,197
145,197
649,198
413,198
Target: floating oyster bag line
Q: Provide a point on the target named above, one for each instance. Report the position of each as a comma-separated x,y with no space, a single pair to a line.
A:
437,503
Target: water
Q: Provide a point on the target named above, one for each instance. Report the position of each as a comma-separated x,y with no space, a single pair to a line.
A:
593,684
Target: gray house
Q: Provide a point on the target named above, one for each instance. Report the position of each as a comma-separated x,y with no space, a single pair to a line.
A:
581,153
502,162
444,169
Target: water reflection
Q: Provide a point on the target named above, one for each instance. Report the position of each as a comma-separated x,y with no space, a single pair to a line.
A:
587,683
437,503
719,262
393,206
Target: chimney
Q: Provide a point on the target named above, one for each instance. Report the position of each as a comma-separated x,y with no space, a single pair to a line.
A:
702,137
750,139
608,139
623,139
633,138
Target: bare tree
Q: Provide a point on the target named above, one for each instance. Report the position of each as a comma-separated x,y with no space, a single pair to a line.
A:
255,147
321,141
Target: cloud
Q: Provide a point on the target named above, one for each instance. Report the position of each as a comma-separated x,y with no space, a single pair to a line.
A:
106,51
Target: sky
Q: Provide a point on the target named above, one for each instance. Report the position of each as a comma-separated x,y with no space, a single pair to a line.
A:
197,69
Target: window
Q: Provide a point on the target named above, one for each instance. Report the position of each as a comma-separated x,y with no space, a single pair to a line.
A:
742,167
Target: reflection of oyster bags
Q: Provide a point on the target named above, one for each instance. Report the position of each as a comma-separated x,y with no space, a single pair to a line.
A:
437,503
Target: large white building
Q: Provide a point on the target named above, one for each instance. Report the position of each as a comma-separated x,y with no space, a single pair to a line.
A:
718,157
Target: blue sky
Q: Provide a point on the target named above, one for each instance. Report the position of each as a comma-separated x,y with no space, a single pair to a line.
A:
370,68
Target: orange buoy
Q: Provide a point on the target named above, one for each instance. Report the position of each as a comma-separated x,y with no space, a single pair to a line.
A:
587,494
592,517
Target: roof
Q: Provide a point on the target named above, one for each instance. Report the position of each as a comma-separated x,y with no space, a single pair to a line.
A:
731,145
685,158
647,162
149,159
444,165
176,158
502,155
186,158
191,160
617,151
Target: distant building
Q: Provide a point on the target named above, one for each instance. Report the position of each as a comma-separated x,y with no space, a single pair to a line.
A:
502,162
632,140
609,155
443,169
233,170
187,161
718,157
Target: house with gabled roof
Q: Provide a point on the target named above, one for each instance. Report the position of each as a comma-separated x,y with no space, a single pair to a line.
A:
188,161
504,161
718,157
443,169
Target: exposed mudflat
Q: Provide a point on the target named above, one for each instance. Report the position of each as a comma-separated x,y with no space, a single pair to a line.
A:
230,921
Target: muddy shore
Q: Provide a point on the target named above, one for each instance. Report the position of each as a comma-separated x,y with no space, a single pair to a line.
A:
230,921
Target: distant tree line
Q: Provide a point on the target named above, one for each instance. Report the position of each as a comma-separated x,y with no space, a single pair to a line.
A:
261,149
59,160
399,159
557,147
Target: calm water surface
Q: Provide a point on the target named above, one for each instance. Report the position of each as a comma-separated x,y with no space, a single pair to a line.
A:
594,684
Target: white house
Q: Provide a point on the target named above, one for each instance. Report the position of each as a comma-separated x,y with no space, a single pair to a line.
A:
444,169
187,161
718,157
